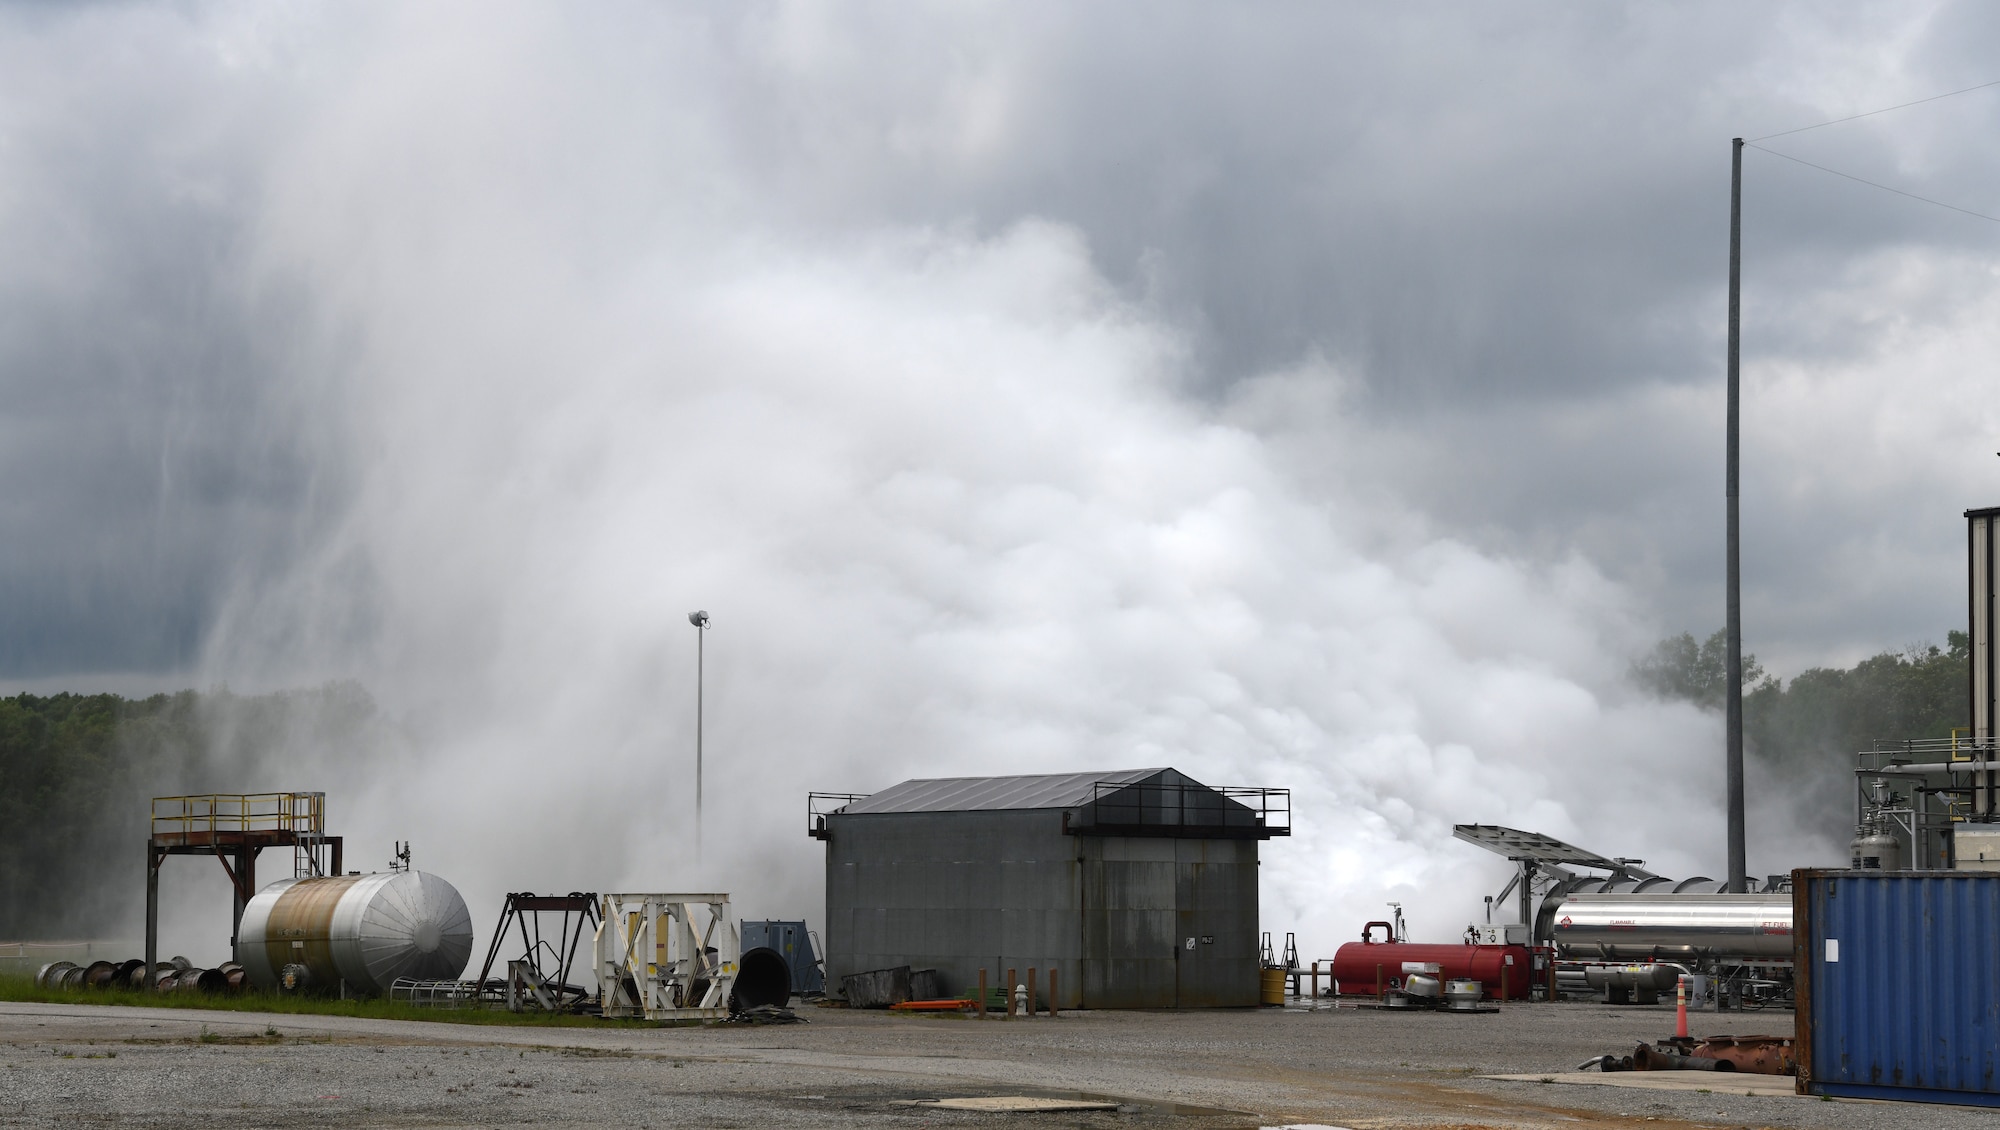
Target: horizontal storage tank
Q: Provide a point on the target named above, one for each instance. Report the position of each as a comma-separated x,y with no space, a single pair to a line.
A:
1499,969
365,930
1897,997
1669,927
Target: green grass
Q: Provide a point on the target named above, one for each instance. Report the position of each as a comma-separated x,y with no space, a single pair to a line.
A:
20,988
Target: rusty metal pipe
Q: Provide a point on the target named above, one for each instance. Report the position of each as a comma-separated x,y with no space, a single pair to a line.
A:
1760,1055
1652,1057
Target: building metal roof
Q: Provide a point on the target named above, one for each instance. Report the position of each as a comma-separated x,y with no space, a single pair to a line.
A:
972,794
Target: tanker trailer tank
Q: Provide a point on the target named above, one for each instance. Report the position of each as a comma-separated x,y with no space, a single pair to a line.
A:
360,931
1669,927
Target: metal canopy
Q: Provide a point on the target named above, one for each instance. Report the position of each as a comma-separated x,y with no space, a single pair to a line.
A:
1534,847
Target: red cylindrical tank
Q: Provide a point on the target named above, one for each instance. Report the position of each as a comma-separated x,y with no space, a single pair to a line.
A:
1357,965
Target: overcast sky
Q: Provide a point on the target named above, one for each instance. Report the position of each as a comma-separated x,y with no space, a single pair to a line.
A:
1312,395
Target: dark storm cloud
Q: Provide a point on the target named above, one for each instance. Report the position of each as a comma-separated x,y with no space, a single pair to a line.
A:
1482,202
150,458
1508,224
1504,225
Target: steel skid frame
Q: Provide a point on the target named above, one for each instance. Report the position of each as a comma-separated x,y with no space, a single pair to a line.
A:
666,957
542,973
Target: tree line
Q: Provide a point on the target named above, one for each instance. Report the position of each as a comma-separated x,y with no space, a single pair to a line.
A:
78,773
1805,733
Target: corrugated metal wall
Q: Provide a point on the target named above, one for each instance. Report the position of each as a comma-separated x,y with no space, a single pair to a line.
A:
954,891
1899,993
958,891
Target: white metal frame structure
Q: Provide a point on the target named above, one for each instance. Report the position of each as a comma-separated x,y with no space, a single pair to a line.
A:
662,958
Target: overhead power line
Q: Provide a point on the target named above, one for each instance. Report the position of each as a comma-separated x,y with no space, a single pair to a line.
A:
1872,113
1872,184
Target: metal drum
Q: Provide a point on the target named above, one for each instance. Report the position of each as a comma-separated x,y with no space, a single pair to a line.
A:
1669,927
363,931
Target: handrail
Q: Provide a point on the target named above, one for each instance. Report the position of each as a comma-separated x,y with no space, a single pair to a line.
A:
300,813
1188,804
817,812
1958,747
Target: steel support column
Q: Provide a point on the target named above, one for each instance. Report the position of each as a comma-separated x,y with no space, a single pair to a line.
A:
153,858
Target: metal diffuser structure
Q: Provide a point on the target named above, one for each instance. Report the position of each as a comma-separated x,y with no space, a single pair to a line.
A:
666,957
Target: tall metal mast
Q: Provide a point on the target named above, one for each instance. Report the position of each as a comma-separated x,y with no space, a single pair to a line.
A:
700,620
1733,715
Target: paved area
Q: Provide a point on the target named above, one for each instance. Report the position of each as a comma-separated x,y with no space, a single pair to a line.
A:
1214,1070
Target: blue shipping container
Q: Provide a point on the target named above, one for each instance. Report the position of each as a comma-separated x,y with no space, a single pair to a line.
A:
1899,984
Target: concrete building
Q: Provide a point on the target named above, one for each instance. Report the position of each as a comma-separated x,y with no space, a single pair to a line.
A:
1139,888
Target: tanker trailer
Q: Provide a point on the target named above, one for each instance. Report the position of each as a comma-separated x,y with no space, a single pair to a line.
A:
1742,944
1690,927
361,931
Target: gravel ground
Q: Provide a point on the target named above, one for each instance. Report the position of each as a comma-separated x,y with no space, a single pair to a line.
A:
1218,1070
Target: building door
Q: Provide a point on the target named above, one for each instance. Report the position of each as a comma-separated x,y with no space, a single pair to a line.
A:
1129,943
1215,917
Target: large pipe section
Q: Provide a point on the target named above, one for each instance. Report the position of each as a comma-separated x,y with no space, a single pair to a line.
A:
361,931
1918,769
1668,927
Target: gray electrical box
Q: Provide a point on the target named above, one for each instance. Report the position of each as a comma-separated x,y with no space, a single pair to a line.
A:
1976,847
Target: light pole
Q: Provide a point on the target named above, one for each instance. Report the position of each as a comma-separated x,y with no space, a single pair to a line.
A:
1733,595
700,622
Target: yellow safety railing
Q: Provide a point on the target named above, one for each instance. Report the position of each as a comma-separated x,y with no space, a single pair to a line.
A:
301,813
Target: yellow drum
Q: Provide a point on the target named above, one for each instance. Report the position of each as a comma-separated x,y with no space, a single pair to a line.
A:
1272,988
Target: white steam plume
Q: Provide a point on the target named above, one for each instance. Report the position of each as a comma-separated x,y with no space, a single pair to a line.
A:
942,492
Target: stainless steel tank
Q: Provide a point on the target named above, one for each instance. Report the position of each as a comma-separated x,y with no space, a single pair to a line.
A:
364,930
1872,848
1657,927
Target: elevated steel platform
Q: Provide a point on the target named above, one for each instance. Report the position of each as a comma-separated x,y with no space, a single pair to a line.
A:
236,828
